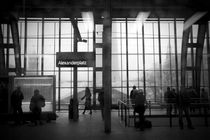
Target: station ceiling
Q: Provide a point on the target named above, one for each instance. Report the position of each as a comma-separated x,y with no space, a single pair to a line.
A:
119,8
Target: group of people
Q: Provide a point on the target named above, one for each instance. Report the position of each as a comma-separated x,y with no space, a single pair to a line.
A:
36,104
177,101
182,101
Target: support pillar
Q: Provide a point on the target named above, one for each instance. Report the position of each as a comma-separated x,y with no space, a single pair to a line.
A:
107,66
15,37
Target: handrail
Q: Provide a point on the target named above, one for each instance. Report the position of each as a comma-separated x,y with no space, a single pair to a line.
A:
126,105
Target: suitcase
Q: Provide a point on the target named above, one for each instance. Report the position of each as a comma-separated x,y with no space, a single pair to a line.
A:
146,124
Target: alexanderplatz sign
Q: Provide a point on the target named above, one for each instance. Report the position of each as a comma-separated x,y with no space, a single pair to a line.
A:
75,59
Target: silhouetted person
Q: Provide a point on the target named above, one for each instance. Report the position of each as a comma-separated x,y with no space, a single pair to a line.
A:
132,92
87,97
194,97
204,96
3,97
16,102
168,96
184,105
36,104
101,101
174,99
140,107
132,95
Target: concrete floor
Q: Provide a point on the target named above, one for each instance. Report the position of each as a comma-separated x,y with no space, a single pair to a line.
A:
90,127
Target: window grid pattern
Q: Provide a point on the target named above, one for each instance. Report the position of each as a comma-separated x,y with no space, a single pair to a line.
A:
39,40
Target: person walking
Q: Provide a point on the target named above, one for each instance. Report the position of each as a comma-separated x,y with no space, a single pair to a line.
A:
87,98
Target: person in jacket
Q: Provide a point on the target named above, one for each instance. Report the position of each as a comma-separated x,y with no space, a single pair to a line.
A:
87,98
140,107
101,102
36,104
184,100
16,103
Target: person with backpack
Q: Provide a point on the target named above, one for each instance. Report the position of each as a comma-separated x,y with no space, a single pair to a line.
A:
36,104
139,107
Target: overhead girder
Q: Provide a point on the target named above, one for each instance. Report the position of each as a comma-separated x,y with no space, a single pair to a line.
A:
120,8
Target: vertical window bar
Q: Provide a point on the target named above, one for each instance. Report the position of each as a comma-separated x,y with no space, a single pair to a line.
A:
37,50
54,45
71,69
208,53
42,59
192,59
59,69
160,63
170,61
176,56
127,68
8,36
25,45
137,37
88,51
121,61
153,37
143,47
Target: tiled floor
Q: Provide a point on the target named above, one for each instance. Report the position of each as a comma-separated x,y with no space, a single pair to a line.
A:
90,127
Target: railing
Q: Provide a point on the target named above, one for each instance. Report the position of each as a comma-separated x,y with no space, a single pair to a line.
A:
123,111
126,111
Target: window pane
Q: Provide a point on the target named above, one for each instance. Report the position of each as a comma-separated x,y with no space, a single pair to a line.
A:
133,78
149,62
66,45
49,46
132,46
116,78
132,62
49,62
49,31
99,62
116,46
33,62
65,79
33,46
116,95
116,62
99,79
150,81
148,46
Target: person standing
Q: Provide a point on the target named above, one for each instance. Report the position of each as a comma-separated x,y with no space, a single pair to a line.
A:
140,107
101,101
132,95
184,101
174,99
167,98
204,96
16,102
87,97
36,104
